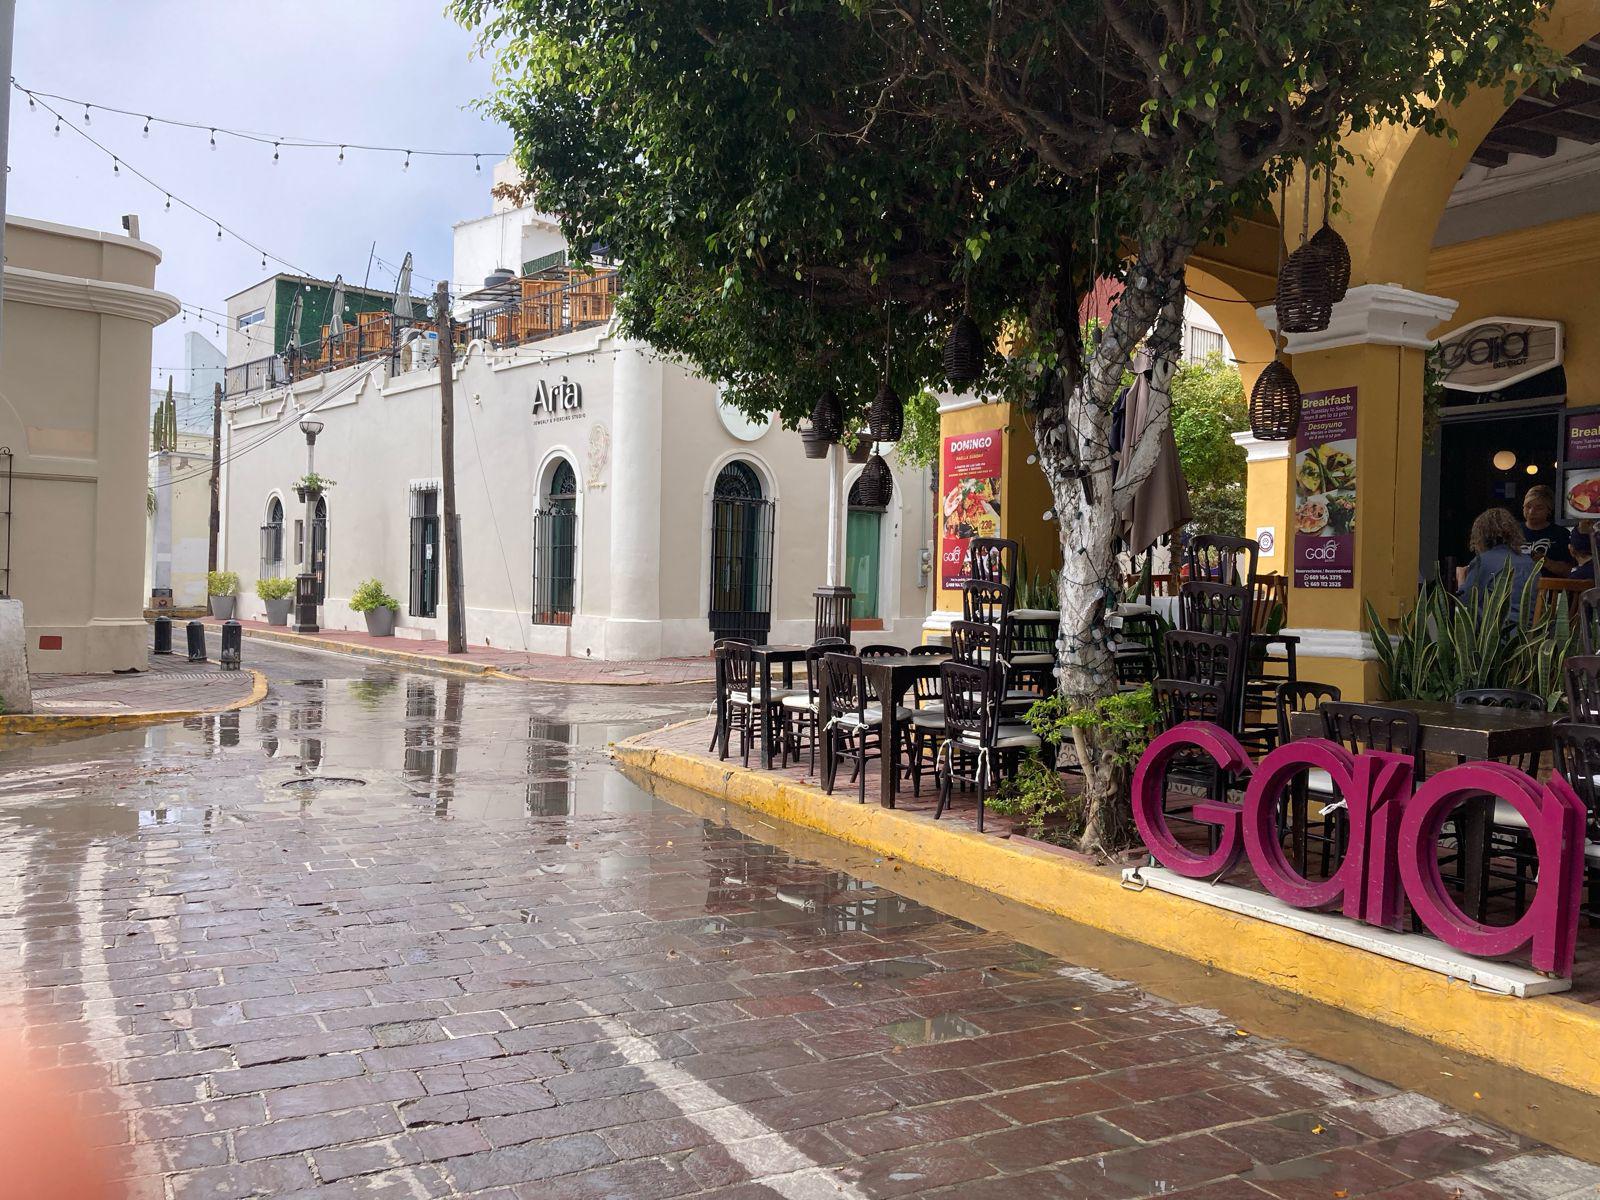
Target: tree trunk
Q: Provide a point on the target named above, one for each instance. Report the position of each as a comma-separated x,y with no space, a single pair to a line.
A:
1091,495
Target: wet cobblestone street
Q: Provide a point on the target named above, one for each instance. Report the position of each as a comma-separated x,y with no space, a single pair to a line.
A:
392,935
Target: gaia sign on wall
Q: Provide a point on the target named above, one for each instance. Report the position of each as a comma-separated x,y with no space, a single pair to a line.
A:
1325,491
970,506
1392,857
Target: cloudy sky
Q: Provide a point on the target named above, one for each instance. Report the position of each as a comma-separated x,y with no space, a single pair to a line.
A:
390,72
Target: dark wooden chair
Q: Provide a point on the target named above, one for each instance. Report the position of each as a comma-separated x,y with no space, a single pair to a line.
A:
1586,613
1301,696
978,745
720,699
974,643
1177,701
833,613
1137,652
746,701
1029,649
882,650
1361,727
855,730
1583,687
995,560
986,602
1208,658
800,710
1222,559
1578,759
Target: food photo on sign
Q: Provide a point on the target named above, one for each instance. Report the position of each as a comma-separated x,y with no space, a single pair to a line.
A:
1580,478
1325,491
970,504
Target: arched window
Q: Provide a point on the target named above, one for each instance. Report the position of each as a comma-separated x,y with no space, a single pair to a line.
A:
272,541
555,547
741,555
319,547
863,552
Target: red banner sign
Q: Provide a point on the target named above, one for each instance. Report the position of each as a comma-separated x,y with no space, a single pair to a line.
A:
970,505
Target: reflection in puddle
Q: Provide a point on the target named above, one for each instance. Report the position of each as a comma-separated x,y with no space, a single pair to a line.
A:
924,1031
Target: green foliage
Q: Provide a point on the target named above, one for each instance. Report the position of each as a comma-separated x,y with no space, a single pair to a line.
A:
1208,407
164,423
919,443
371,594
275,589
312,482
1037,793
1124,721
1448,643
370,693
222,583
783,182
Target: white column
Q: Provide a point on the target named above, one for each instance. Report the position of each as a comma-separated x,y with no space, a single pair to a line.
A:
836,515
633,630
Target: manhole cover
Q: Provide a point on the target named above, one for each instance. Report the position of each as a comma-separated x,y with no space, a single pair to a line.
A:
315,782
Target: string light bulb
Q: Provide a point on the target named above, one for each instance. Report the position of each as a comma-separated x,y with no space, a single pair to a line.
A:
476,165
341,153
219,232
406,166
147,127
213,139
169,201
58,126
274,151
30,102
86,114
116,168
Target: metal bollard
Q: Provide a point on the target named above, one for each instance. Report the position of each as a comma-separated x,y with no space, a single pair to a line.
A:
197,641
163,635
232,645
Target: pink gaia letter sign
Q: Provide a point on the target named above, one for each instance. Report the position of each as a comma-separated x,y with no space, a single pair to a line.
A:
1393,841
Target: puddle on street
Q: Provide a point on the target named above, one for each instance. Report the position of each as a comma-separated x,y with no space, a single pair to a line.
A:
427,747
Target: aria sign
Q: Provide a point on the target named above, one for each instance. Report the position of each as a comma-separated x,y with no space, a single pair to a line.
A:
1393,838
557,401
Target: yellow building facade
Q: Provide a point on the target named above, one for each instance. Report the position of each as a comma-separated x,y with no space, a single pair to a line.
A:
1497,230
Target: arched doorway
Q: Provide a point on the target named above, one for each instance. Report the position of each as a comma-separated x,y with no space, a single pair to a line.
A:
555,547
319,547
863,553
272,540
741,555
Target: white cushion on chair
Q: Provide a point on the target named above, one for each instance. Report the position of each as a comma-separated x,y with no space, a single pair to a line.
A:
1032,658
801,702
874,717
1039,614
1591,851
753,696
1319,782
927,718
1507,817
1007,737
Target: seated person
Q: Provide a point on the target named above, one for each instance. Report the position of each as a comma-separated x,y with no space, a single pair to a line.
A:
1583,551
1547,543
1496,542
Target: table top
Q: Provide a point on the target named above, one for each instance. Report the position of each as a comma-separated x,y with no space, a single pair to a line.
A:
779,653
1470,730
896,662
1035,614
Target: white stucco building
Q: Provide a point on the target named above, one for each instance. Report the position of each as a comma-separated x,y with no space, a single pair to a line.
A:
610,506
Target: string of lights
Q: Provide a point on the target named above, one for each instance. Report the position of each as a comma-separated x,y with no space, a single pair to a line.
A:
118,164
278,142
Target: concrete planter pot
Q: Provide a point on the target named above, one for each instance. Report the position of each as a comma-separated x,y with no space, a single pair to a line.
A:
222,607
278,610
863,451
816,445
380,621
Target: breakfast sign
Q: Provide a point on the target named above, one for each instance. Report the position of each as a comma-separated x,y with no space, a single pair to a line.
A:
970,504
1325,491
1580,455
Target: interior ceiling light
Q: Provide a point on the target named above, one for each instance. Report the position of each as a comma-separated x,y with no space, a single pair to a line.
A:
1504,460
1533,469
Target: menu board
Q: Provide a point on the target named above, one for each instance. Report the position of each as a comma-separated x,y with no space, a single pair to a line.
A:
1325,490
1580,476
970,504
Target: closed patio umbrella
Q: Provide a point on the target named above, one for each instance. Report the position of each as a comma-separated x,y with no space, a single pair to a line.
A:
336,311
402,290
1160,504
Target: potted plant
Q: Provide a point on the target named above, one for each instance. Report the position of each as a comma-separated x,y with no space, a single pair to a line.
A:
815,442
223,588
858,446
372,601
311,485
278,596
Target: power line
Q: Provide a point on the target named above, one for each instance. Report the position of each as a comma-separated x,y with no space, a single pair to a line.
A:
276,141
117,165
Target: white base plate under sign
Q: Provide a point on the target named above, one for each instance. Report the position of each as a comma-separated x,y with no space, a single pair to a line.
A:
1418,949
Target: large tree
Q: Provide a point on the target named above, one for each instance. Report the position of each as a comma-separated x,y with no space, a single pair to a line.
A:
805,194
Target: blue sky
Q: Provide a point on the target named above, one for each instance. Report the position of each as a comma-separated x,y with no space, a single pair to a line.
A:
393,72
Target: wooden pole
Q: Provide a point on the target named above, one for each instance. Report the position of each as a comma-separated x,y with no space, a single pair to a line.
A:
216,476
454,600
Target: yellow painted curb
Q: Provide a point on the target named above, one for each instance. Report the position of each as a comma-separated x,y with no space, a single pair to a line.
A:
55,722
1553,1037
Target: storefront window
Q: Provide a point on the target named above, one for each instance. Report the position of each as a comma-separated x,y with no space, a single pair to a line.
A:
555,549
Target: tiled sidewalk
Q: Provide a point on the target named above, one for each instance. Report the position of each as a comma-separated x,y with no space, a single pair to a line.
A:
171,684
428,653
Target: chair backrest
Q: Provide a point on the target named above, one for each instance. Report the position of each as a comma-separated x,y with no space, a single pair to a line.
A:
739,665
1503,698
814,656
1302,696
1215,608
1031,636
995,559
833,613
974,644
1359,727
1268,594
1143,629
1178,700
929,651
1583,687
1578,760
969,694
1201,657
985,601
847,683
882,650
1586,612
1222,559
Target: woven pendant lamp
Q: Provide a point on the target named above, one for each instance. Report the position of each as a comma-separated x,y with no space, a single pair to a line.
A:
963,352
1275,404
1305,291
827,418
886,416
876,486
1327,242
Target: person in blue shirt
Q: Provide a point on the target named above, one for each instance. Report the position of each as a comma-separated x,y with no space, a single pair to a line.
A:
1496,542
1548,544
1583,551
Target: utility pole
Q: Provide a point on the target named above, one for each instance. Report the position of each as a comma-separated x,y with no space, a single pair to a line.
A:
216,476
454,600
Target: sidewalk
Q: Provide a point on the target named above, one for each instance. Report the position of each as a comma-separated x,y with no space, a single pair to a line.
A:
170,689
489,661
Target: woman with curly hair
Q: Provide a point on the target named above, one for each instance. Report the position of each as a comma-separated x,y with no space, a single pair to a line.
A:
1496,542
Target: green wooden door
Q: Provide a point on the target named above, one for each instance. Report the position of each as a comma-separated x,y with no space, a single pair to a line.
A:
861,560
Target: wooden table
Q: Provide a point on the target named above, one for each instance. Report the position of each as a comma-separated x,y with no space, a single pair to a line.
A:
786,657
1473,733
890,678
